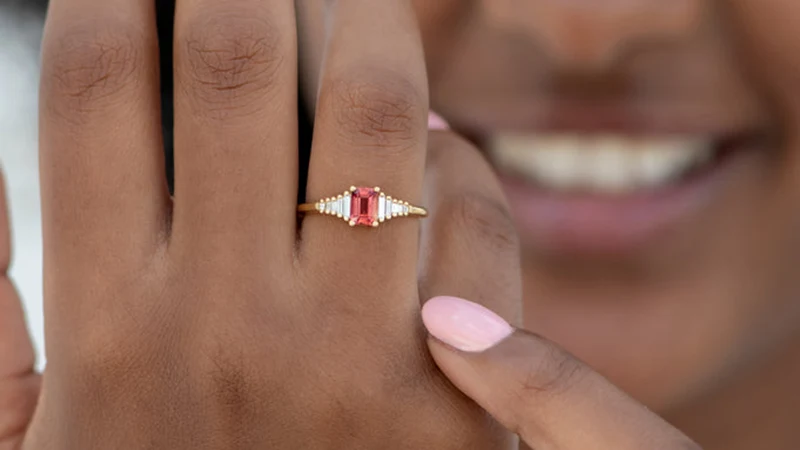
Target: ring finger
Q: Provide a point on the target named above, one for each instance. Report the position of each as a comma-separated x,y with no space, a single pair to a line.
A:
370,130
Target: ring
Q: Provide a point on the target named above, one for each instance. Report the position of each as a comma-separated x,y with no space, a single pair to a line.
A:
363,206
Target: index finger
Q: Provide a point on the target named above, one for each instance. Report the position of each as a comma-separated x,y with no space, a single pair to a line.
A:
102,164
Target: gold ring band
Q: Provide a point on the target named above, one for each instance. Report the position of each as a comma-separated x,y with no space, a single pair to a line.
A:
363,206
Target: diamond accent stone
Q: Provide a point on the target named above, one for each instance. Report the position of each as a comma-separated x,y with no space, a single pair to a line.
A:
346,206
382,208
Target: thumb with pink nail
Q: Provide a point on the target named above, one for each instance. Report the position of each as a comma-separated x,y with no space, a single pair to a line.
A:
536,389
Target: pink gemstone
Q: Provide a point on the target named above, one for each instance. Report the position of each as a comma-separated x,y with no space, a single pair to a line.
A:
364,206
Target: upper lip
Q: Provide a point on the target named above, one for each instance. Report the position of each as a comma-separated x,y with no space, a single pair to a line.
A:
638,117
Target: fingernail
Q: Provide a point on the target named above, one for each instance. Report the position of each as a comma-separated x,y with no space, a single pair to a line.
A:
465,325
436,122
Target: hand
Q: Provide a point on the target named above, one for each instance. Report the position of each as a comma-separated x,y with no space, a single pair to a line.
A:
536,389
19,384
213,320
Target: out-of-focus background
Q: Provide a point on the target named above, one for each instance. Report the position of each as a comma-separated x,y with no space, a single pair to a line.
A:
20,35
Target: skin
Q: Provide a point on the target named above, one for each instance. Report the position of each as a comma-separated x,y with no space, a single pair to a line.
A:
703,323
216,318
222,355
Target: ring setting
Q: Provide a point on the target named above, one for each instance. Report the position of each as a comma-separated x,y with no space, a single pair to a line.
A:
363,206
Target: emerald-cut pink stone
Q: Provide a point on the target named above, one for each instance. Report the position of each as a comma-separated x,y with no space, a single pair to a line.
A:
364,206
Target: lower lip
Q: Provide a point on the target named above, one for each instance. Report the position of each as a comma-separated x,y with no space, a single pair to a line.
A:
569,223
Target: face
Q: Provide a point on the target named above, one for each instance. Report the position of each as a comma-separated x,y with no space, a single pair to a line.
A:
649,151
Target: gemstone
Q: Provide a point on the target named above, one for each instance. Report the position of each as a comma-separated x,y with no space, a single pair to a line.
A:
364,206
346,206
382,208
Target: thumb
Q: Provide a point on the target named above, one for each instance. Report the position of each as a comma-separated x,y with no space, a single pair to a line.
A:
19,385
534,388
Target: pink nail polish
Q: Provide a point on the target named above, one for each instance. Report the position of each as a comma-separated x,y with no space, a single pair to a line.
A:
465,325
436,122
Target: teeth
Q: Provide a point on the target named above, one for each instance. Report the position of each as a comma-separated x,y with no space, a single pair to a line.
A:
556,163
605,164
609,166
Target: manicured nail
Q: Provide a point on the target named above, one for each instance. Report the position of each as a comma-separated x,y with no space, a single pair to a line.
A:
465,325
436,122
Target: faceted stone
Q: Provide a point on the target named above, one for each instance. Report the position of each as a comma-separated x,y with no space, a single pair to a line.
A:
364,206
382,208
346,206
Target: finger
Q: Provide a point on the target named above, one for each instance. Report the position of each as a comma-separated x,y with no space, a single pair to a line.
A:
370,130
103,181
536,389
236,125
469,244
19,385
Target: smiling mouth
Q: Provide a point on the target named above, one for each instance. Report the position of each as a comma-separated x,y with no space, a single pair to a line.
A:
610,165
613,192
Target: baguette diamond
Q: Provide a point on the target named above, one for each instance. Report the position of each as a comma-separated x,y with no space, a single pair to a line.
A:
382,208
346,206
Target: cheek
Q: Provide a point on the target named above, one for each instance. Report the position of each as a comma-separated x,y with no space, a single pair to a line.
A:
768,34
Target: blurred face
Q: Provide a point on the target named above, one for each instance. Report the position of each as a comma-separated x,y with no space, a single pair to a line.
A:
649,152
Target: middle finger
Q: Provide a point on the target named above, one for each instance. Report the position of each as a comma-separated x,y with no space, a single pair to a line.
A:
236,125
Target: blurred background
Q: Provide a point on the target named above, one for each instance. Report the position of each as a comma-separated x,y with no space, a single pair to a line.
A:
20,35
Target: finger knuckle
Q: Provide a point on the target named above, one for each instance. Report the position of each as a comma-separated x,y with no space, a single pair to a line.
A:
90,63
113,358
486,220
126,341
382,111
552,374
232,386
236,384
232,62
